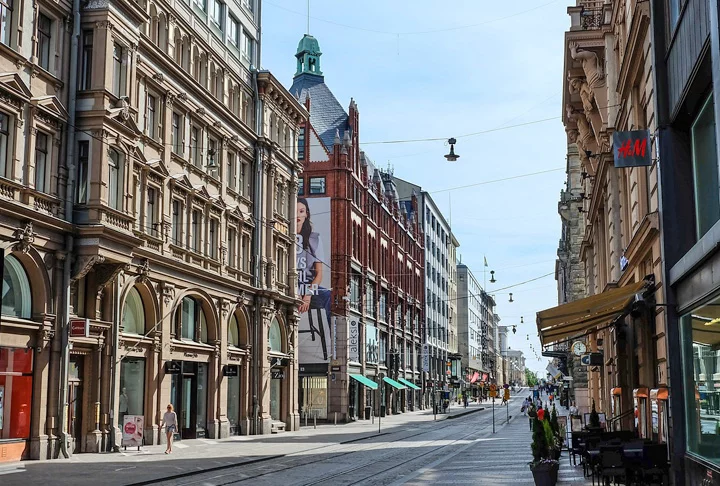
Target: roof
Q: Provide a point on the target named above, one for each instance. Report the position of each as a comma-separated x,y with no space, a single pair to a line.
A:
326,113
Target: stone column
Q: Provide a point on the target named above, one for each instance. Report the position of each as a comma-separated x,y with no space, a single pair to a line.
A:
293,421
264,419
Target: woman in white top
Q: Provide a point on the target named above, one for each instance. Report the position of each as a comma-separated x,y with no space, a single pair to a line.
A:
170,421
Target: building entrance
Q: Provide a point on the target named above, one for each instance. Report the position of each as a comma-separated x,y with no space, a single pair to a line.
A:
189,396
75,402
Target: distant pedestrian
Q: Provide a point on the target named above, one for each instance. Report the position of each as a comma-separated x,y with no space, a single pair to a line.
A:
465,400
171,426
525,405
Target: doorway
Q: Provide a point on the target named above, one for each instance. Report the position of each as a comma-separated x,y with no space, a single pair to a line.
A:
75,402
189,395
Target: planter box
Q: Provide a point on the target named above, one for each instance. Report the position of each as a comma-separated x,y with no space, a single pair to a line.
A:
545,474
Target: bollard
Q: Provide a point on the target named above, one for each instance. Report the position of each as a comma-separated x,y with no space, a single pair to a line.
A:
335,418
306,414
315,421
372,416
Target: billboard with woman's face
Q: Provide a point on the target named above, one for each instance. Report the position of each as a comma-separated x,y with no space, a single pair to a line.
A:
313,256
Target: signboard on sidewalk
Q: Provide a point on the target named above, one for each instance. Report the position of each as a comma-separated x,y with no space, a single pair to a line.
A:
132,431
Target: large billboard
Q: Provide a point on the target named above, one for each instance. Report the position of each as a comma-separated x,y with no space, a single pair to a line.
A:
313,251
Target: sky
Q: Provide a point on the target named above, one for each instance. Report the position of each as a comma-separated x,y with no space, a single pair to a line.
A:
426,69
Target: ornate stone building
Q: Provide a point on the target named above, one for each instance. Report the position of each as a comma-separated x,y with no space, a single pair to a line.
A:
609,87
145,174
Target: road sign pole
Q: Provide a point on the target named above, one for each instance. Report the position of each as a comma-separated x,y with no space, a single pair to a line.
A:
493,399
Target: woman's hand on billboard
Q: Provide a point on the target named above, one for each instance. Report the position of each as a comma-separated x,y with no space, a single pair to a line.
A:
305,306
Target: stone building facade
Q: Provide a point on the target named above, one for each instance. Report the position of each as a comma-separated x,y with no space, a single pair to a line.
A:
362,269
608,87
147,252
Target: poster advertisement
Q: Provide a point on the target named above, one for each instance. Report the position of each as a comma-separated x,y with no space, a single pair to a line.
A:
354,341
372,350
313,246
132,431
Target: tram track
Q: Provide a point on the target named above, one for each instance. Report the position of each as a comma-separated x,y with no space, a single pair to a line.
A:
258,469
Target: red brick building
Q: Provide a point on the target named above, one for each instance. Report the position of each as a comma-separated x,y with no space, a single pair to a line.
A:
361,325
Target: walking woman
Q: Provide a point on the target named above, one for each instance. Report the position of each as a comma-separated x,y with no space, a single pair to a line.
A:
170,422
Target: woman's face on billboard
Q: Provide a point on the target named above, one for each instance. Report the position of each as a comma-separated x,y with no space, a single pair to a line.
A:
301,214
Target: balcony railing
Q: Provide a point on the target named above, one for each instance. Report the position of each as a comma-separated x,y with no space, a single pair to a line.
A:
591,17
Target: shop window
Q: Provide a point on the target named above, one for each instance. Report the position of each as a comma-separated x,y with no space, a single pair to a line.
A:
133,315
132,387
16,370
700,334
16,295
192,321
275,337
705,169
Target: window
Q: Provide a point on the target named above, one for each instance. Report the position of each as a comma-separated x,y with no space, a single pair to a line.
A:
115,176
248,50
245,254
212,239
232,245
151,213
176,222
232,171
317,185
82,171
700,338
119,71
195,157
192,322
4,145
201,4
87,56
233,31
150,117
16,381
6,11
234,332
213,155
301,144
705,169
674,9
217,9
301,187
133,314
244,179
275,337
44,34
41,162
16,295
176,134
195,229
249,4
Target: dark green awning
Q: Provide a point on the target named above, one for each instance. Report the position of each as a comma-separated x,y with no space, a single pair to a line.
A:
394,383
365,381
409,383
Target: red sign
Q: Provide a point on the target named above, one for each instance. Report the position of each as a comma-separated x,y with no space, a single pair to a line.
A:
79,327
130,428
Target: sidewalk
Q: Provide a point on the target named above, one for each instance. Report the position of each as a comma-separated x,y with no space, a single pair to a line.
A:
151,463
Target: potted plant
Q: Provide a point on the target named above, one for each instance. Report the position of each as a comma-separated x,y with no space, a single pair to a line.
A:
555,427
544,466
594,419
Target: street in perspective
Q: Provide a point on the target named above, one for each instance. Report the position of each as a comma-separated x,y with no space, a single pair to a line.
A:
216,271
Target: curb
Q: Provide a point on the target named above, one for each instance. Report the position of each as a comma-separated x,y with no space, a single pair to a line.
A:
457,415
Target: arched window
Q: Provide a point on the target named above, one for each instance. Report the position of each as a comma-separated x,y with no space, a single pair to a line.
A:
234,332
16,295
133,314
275,336
191,321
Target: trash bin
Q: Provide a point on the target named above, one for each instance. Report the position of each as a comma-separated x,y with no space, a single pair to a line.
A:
382,410
368,411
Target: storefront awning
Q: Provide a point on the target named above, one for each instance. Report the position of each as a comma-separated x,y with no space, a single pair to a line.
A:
567,320
659,394
409,383
640,393
365,381
616,391
394,383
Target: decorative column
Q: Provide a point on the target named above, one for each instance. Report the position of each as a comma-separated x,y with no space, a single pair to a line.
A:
264,420
293,420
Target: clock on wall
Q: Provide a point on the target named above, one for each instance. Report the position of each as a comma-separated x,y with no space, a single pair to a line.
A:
579,348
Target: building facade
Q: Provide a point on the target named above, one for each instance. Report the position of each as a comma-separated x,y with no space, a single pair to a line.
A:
608,88
439,243
516,367
360,266
146,259
685,55
469,311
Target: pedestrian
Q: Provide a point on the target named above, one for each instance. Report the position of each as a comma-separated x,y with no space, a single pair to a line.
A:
170,422
465,400
532,413
573,409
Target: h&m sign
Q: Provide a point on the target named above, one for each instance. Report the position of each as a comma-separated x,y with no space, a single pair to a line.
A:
632,148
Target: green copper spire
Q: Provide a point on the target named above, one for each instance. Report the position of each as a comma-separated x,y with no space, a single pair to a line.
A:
308,56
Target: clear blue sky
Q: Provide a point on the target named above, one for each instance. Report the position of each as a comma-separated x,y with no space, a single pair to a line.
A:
486,65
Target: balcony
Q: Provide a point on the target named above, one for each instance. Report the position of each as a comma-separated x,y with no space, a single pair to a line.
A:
588,15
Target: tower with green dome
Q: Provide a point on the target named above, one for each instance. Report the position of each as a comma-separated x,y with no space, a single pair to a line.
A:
308,56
